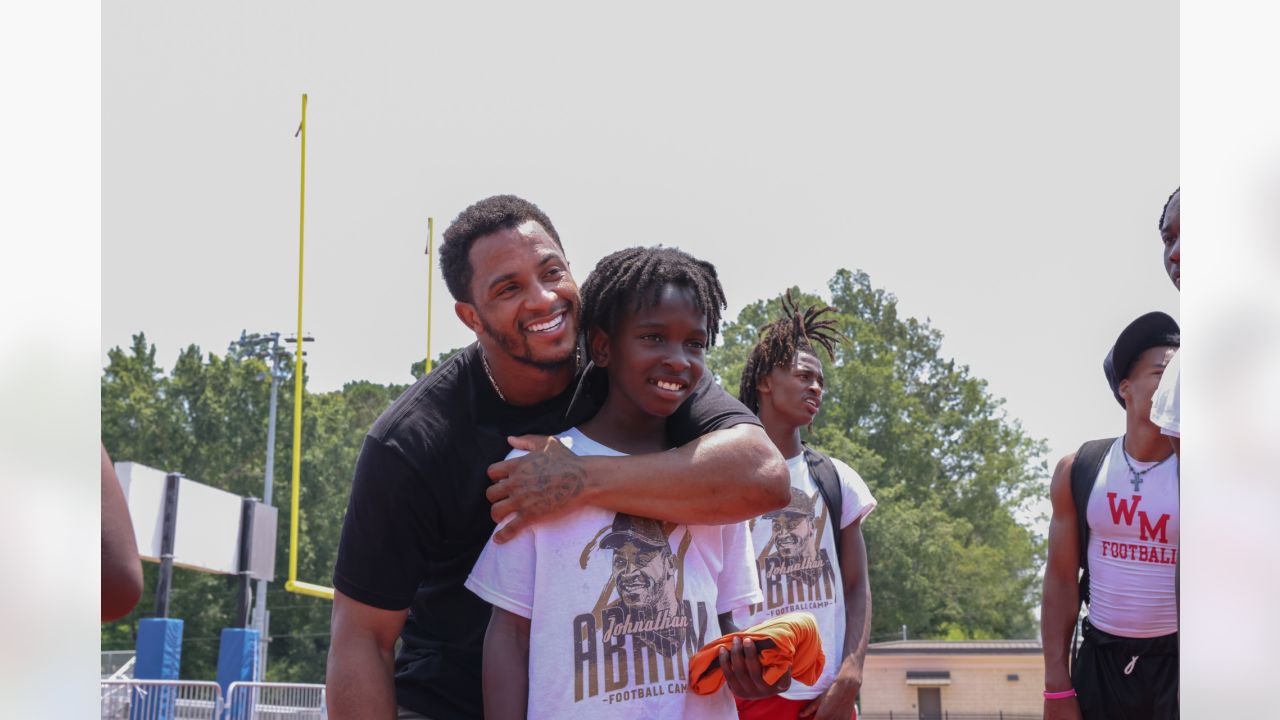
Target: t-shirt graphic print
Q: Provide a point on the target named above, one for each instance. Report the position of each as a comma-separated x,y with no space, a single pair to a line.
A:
648,602
617,605
796,560
795,568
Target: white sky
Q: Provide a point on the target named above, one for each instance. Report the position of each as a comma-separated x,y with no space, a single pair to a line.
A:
999,166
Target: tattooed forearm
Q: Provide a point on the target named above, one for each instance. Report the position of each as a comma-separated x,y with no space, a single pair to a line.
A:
552,479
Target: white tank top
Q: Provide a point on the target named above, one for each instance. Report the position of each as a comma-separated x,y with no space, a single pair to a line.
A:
1133,547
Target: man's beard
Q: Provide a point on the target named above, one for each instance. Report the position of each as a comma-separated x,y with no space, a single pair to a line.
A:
517,346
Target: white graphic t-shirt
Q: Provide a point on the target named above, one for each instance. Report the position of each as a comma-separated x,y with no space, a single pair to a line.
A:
617,606
797,562
1133,546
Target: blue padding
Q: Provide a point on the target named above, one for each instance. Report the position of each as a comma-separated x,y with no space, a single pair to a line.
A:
159,656
237,661
237,656
159,649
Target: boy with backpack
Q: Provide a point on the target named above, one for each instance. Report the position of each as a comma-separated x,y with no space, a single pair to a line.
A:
1113,544
811,553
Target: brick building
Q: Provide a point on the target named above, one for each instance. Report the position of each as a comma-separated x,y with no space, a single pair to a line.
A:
953,679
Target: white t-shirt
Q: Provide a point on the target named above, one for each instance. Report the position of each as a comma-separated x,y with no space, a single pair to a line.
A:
797,563
1166,404
1133,547
616,609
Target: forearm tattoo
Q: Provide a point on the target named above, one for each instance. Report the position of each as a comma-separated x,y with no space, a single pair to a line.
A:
553,480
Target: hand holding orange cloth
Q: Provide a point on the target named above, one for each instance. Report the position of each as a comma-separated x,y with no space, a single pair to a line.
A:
796,647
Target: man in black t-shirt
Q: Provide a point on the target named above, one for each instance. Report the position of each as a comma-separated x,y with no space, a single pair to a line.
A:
419,511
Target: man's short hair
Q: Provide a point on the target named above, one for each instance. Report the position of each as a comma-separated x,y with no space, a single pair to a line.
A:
500,212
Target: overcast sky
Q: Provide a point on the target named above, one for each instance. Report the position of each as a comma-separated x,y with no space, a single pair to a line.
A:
999,166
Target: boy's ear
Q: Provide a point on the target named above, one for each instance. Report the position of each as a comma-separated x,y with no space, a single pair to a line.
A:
1126,391
763,386
466,312
598,347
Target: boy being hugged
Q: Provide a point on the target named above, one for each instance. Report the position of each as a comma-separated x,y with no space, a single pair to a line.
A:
596,613
808,560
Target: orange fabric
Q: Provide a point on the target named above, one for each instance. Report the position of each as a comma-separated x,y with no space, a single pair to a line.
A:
799,650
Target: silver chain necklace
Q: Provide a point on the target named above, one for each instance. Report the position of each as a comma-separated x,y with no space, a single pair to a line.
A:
1137,476
484,360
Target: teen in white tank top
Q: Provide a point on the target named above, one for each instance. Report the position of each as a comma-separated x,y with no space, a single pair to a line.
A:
1133,546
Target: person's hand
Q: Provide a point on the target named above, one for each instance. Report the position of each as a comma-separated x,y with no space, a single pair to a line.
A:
742,671
837,703
1062,709
545,483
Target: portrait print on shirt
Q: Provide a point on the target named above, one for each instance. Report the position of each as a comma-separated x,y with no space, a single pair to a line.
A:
794,567
642,620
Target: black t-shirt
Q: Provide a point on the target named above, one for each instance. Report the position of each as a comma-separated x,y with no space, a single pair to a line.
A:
418,517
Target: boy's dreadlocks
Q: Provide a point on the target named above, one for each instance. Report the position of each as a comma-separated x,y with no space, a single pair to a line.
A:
635,277
796,331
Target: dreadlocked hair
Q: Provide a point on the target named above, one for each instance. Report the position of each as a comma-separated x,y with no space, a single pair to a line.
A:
1165,211
632,279
796,331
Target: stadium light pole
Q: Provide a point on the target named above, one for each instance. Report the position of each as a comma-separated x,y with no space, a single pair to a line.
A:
268,349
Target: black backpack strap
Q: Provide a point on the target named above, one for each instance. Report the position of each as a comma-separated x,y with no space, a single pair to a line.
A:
827,479
1084,473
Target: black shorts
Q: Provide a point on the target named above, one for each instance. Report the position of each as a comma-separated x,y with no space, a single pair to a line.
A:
1120,678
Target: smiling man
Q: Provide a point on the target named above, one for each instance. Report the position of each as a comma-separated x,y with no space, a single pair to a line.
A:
420,508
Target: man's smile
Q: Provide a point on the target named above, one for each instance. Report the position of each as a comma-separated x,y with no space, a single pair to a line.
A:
547,325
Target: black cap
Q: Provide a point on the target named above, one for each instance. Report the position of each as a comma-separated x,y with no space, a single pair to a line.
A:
1155,329
801,504
642,531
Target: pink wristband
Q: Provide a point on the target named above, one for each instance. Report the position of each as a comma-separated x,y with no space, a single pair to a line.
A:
1059,695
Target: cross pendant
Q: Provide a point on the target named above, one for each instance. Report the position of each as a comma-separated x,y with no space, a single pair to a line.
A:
1137,482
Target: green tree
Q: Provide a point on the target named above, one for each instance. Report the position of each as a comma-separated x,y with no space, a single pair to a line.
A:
417,369
207,419
949,468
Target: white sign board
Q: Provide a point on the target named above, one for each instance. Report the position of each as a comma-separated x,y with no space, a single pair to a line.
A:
207,531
